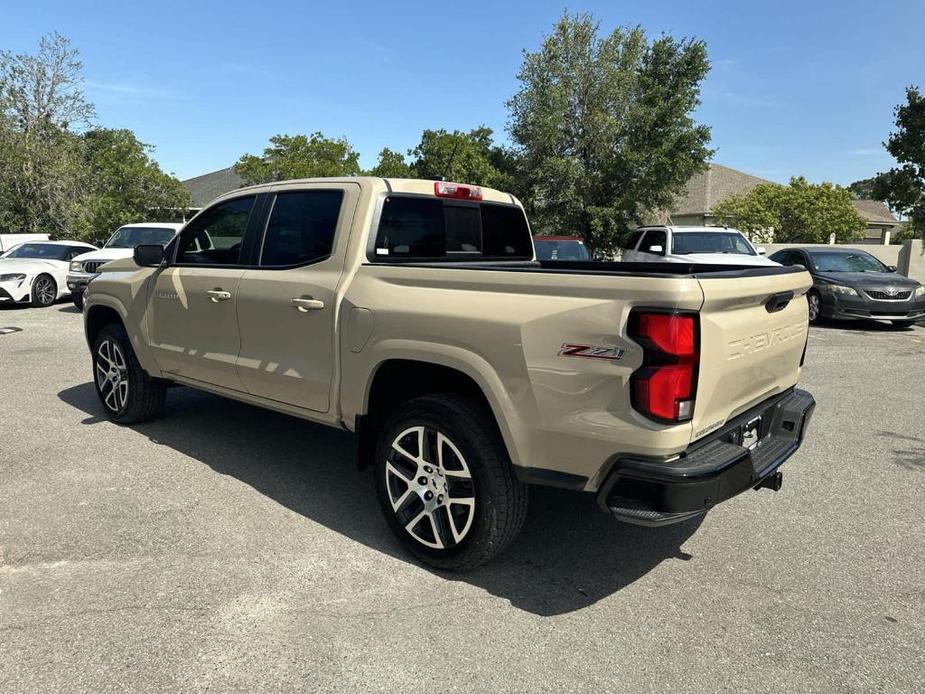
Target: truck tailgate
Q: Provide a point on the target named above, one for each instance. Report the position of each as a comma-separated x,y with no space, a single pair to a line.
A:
751,342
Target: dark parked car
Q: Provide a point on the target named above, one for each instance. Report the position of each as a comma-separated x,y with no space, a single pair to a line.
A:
851,284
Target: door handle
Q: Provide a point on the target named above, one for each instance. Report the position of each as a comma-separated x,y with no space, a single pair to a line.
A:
217,295
306,303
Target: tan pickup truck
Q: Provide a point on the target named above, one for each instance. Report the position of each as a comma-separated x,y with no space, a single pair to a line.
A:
415,314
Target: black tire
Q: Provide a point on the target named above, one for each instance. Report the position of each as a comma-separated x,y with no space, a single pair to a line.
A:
78,299
143,396
44,291
499,499
903,323
811,297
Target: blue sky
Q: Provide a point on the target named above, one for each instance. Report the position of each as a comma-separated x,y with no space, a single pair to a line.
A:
797,88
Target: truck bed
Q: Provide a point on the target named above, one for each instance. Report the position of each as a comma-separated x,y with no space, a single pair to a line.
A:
614,268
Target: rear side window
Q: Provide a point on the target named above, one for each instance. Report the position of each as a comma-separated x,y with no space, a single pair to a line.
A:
505,232
411,228
633,240
429,228
301,227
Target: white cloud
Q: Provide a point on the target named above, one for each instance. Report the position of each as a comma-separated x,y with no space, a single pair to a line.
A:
138,91
867,151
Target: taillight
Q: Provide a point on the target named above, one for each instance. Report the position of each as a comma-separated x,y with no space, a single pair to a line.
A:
443,189
663,388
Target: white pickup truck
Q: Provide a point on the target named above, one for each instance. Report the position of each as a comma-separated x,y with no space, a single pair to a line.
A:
415,314
121,244
693,245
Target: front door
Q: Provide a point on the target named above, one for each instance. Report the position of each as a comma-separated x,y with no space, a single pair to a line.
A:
191,311
287,306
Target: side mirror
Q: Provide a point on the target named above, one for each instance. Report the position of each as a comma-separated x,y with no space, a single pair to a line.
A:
891,268
800,265
762,250
149,256
656,249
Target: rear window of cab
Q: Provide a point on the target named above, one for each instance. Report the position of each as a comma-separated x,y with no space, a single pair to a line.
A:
425,228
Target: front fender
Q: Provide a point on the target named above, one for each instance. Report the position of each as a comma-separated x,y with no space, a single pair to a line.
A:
127,296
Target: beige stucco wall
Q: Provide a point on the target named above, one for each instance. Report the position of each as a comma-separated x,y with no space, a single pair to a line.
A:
912,260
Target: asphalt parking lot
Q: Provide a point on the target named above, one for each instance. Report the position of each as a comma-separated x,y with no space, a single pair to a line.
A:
228,548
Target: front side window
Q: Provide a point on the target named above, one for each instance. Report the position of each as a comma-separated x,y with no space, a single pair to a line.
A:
429,228
301,227
788,258
655,238
216,235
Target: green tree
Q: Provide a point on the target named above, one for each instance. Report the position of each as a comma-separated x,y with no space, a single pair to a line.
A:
126,184
903,187
41,173
299,156
863,189
456,156
801,212
391,164
604,127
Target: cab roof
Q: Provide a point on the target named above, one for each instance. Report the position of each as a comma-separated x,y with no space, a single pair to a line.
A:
36,242
154,225
409,186
685,229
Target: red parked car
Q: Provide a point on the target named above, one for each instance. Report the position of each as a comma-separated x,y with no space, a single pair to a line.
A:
560,248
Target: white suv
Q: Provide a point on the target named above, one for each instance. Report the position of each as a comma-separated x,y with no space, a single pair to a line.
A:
120,245
700,245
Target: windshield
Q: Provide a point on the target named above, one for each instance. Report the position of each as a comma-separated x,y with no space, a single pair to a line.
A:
561,250
846,262
42,251
129,237
710,242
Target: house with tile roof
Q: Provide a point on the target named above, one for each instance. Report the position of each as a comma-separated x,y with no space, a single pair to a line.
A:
209,186
694,206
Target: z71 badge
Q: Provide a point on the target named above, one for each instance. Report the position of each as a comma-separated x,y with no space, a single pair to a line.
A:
592,352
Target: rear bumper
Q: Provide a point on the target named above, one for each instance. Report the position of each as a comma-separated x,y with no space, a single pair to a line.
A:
659,492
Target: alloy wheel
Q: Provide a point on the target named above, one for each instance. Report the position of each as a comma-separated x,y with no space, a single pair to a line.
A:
112,375
430,487
813,307
45,291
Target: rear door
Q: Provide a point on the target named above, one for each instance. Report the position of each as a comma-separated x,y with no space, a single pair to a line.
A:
753,330
287,305
629,252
